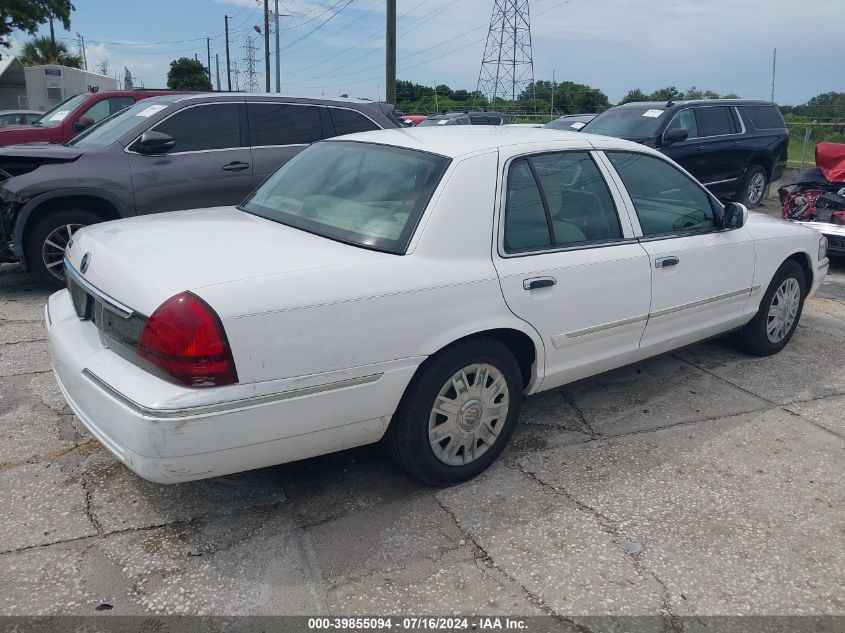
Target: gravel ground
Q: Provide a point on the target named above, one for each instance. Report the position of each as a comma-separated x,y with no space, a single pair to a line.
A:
696,483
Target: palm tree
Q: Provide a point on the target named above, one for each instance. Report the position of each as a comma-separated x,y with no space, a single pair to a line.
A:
39,50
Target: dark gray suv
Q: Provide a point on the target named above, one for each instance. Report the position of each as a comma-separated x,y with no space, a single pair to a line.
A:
161,154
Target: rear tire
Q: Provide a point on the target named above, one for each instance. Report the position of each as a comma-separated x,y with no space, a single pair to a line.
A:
458,413
780,310
753,187
46,243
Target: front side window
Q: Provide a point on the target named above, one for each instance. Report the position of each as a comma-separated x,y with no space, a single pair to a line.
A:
284,124
665,199
104,108
715,121
685,120
360,193
350,121
211,126
558,199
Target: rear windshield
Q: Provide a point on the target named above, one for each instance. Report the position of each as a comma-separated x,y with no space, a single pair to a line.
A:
112,128
359,193
631,122
764,117
55,116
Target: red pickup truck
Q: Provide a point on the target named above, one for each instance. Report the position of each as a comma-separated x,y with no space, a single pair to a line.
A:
73,115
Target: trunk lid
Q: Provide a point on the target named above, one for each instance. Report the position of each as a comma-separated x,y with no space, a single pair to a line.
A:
143,261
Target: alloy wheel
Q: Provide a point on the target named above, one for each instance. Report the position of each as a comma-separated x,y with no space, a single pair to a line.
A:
756,188
54,247
468,414
783,309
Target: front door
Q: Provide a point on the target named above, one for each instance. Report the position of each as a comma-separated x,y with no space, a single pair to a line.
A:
209,166
569,264
701,274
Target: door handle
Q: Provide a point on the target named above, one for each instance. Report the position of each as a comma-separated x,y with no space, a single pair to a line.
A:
700,148
538,282
735,144
663,262
236,166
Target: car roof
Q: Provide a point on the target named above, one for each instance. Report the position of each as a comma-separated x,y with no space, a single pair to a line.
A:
269,96
692,102
464,140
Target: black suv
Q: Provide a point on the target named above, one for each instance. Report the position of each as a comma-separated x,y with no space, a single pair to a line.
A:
733,147
161,154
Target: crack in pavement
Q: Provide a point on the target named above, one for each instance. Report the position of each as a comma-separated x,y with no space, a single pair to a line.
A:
582,417
813,422
670,618
490,564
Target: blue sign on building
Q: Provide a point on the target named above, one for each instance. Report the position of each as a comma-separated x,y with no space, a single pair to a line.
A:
55,72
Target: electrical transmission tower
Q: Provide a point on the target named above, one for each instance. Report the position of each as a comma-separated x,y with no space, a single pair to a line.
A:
250,49
507,68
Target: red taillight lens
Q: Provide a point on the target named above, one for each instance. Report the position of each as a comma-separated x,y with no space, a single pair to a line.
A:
185,339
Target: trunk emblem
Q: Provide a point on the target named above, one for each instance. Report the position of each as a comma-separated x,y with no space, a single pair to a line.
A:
86,261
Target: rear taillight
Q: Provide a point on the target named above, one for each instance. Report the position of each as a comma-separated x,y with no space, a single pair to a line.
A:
185,339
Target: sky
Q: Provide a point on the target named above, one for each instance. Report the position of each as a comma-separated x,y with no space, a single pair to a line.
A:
333,47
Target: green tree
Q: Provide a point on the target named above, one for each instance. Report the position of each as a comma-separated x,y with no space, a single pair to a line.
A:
694,93
28,15
188,74
666,94
573,98
634,95
39,50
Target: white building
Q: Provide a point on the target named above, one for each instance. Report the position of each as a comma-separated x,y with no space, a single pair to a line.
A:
49,84
12,84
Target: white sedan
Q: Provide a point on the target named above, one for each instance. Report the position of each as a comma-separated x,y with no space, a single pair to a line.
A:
407,285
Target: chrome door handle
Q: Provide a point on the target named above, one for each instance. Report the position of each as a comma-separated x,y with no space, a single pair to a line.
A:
538,282
663,262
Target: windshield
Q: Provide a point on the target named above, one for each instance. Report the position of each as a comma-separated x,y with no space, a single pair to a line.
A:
359,193
110,129
54,117
629,122
434,120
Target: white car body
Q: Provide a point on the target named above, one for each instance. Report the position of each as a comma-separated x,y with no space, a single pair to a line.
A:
326,336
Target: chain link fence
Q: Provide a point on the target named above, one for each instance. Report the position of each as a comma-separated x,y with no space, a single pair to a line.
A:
803,136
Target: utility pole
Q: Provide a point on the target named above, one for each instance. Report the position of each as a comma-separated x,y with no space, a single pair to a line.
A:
266,46
217,63
774,65
208,50
52,39
82,49
390,62
278,61
552,109
228,67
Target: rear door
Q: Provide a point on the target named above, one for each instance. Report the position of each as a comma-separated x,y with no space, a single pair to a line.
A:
279,131
210,165
569,264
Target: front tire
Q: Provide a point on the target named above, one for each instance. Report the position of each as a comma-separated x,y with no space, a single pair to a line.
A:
753,186
458,413
46,243
780,310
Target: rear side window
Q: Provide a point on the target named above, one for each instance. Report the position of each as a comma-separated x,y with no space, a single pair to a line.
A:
350,121
558,199
714,120
284,124
204,127
764,117
665,199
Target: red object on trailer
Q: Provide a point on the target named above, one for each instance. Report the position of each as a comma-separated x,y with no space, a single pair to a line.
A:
830,158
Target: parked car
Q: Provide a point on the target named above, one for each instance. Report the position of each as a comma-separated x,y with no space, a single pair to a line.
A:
410,120
18,117
73,115
176,151
377,286
574,122
735,147
470,117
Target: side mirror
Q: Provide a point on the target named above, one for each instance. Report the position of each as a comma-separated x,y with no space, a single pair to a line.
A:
735,215
82,122
152,142
675,135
